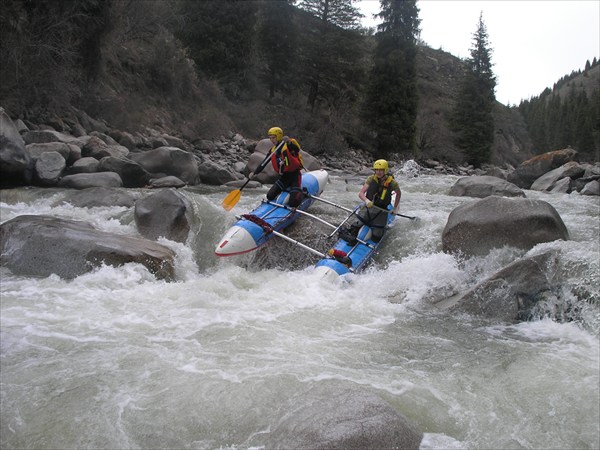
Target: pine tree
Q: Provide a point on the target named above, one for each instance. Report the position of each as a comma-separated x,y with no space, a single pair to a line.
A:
340,13
332,49
472,119
218,34
390,107
277,37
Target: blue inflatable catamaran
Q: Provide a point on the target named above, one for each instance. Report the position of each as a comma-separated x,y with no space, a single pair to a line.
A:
258,226
350,254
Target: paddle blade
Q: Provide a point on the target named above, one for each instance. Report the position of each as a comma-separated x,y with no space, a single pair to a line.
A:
231,200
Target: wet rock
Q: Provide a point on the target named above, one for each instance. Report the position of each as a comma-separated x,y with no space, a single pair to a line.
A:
591,188
529,171
16,165
548,181
166,182
43,245
476,227
165,161
484,186
48,168
343,418
510,294
86,180
131,173
164,214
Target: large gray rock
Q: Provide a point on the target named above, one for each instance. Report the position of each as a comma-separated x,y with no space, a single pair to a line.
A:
510,294
165,161
86,180
84,165
48,168
494,222
547,181
46,136
484,186
165,182
97,148
35,150
529,171
163,214
343,418
16,165
212,173
131,173
591,188
43,245
267,175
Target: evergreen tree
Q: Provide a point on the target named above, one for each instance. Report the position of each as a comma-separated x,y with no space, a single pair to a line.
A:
390,107
472,119
340,13
332,49
568,115
218,34
277,41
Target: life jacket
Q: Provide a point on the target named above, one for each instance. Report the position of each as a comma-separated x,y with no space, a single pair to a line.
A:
288,158
379,191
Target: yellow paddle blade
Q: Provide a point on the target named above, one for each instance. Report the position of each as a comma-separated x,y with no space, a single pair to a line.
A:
231,200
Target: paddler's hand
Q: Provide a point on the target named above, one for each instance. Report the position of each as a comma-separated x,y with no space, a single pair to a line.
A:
251,175
396,210
368,203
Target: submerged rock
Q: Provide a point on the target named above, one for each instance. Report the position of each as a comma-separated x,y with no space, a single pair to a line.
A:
335,417
43,245
510,294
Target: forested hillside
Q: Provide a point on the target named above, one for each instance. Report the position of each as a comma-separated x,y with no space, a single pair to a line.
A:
200,69
568,115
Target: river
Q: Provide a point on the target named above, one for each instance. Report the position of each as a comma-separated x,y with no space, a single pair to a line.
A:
116,359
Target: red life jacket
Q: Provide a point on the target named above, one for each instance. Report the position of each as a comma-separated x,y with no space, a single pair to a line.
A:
288,158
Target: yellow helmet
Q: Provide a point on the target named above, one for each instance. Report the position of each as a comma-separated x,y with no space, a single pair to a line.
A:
277,132
381,164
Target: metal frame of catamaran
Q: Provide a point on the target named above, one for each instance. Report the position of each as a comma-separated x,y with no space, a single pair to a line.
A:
335,228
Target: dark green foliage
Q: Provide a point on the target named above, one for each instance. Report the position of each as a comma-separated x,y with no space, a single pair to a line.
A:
277,40
218,34
472,119
390,106
567,116
332,50
340,13
48,47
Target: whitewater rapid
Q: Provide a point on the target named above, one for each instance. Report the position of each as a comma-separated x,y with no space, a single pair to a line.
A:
117,359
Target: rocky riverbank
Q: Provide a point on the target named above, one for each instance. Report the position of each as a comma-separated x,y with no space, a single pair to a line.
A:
81,152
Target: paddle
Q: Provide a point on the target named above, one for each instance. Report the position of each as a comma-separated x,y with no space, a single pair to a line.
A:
354,212
234,196
396,214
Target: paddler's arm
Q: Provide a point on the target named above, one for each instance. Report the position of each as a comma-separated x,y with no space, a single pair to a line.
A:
363,195
397,200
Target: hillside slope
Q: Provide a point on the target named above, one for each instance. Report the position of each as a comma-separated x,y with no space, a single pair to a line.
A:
439,81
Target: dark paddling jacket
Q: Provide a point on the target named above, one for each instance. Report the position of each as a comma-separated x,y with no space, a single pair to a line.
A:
380,190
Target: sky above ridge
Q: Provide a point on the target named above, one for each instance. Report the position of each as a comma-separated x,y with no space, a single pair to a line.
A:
534,42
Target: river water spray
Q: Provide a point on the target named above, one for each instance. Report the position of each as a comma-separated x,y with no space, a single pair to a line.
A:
117,359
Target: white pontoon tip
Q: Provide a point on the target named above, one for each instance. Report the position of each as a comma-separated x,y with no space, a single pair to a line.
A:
322,177
327,273
235,242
